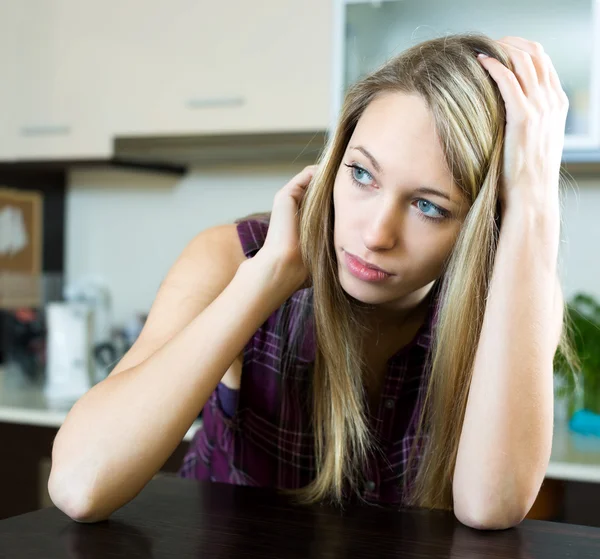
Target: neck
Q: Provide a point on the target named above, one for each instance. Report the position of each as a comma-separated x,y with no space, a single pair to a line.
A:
388,321
388,331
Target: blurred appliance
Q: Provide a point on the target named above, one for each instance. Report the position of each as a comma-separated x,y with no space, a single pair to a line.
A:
69,368
80,347
96,294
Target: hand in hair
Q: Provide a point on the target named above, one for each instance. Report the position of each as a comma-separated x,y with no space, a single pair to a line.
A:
536,111
282,242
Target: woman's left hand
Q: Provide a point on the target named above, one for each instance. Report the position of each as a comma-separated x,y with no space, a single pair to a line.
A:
536,111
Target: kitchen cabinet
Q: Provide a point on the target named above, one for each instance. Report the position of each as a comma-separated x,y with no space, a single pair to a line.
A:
61,108
373,31
196,67
8,48
86,72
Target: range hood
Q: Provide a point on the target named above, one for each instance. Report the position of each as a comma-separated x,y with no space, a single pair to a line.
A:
181,152
222,149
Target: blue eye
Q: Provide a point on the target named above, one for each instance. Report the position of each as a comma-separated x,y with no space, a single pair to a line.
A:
426,206
439,216
357,174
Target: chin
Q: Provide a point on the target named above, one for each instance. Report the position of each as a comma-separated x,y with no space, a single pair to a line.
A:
364,292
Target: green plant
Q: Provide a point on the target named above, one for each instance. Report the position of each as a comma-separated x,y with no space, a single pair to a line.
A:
583,322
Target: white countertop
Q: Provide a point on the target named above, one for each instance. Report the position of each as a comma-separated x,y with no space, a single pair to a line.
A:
574,457
29,406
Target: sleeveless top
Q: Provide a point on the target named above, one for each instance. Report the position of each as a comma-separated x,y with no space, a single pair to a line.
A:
262,434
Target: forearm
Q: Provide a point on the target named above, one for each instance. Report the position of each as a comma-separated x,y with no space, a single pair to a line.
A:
506,438
119,433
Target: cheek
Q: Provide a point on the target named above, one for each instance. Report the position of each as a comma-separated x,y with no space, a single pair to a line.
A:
341,208
337,214
343,203
443,250
338,193
429,250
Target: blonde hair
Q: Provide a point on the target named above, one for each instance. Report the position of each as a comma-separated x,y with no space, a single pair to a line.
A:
469,116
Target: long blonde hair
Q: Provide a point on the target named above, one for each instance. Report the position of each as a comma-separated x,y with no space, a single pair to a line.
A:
469,116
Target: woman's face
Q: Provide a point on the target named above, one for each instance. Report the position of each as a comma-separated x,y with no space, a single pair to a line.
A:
381,216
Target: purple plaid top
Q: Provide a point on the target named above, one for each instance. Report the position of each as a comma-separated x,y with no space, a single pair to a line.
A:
261,435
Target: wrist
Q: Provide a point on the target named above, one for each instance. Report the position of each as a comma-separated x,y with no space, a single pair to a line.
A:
534,226
271,276
545,212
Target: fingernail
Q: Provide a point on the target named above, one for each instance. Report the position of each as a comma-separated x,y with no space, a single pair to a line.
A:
481,55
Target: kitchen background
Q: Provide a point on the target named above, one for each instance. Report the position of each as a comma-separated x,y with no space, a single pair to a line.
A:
150,219
129,128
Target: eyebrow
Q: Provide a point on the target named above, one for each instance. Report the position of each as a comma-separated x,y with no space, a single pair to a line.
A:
420,190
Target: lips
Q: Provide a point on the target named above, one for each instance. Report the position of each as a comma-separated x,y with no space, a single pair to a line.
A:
369,265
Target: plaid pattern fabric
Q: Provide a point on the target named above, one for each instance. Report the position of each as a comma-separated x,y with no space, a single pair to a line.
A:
269,441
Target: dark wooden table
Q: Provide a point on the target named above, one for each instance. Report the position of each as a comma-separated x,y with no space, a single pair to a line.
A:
180,518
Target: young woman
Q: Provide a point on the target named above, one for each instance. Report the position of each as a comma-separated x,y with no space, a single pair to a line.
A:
386,333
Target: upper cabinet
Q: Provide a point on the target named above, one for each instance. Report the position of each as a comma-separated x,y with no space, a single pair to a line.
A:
373,31
87,72
60,109
79,74
197,67
8,65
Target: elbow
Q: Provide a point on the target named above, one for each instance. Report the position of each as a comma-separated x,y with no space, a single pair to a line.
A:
76,502
487,517
492,506
72,486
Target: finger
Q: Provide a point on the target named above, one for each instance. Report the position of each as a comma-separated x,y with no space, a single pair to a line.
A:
557,87
555,84
524,69
537,53
310,174
307,171
507,82
547,73
303,178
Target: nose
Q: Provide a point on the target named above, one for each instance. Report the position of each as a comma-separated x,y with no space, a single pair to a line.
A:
381,232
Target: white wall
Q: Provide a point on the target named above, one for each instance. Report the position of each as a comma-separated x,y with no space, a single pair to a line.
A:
129,227
580,248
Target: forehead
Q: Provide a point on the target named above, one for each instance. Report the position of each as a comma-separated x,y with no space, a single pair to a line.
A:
399,130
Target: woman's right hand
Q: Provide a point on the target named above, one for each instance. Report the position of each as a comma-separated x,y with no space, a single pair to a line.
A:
281,245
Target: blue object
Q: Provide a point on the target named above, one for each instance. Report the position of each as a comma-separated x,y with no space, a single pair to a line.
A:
585,422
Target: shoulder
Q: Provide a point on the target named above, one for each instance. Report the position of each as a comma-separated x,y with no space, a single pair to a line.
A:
202,271
235,241
219,244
